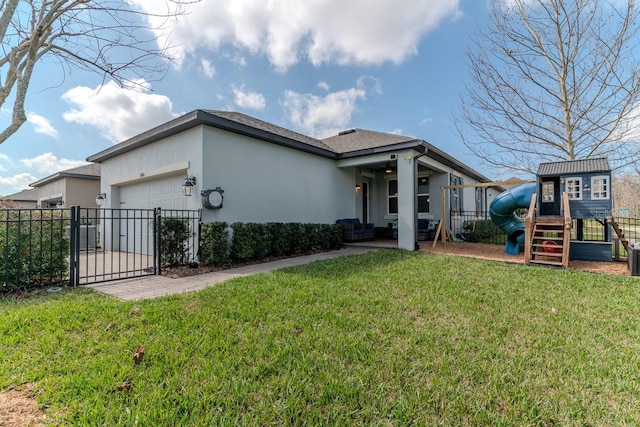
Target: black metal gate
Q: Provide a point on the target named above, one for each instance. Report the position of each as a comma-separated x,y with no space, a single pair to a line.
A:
112,244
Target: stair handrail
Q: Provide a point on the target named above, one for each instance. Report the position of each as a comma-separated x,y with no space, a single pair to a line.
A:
529,222
567,229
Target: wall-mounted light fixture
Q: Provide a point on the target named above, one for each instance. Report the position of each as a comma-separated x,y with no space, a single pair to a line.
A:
60,204
189,185
388,169
100,199
358,187
586,187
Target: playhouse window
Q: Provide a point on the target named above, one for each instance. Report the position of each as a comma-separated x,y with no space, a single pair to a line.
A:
599,187
574,188
547,192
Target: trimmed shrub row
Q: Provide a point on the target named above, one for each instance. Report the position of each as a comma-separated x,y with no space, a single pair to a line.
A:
254,241
33,249
483,231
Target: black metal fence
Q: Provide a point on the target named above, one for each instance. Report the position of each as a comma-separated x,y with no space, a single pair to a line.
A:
75,246
476,227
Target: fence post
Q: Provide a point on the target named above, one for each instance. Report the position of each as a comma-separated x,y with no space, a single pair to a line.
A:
74,246
157,240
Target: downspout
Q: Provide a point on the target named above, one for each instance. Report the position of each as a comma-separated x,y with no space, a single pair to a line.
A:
415,201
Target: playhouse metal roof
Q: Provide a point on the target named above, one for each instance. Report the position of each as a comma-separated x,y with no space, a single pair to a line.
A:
574,167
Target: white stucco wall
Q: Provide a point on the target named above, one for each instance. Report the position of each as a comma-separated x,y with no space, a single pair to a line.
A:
176,155
265,182
262,181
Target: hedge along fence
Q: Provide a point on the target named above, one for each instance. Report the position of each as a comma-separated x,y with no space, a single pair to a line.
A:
174,241
34,248
257,241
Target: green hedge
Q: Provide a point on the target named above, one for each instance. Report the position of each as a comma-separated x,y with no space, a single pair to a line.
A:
174,242
34,248
254,241
483,231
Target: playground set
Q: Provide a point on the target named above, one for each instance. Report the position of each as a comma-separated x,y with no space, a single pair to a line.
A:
574,192
569,214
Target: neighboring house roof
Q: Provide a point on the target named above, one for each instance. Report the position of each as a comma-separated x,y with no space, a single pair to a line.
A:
90,171
23,196
574,167
347,144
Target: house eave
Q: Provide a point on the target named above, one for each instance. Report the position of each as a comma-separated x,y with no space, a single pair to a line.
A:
202,118
415,144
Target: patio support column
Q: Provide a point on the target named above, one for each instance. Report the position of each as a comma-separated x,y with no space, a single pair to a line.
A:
406,201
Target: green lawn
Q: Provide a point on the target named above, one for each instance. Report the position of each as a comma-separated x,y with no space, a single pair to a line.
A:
385,338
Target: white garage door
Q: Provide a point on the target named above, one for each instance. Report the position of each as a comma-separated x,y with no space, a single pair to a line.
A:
165,193
136,231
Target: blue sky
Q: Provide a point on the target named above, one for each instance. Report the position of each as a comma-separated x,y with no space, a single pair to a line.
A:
315,67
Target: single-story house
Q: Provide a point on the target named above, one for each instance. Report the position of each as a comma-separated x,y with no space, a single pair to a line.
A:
71,187
25,199
243,169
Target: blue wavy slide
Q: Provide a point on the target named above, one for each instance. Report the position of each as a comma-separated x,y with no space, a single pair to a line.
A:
502,211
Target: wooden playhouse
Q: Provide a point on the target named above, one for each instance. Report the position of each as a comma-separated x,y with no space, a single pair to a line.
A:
570,214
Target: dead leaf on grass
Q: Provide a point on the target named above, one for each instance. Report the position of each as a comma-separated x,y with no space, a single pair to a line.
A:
126,385
110,326
137,357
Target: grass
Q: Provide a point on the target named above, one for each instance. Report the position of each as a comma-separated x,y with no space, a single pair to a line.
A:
384,338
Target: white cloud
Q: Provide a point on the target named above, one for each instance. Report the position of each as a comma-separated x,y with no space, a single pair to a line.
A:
207,68
42,125
322,116
119,113
396,131
324,86
4,157
249,99
360,32
19,181
48,164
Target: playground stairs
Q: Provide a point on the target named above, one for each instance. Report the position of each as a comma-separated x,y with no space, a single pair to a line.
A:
547,238
548,242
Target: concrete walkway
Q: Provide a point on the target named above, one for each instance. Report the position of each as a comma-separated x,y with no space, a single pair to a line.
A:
156,286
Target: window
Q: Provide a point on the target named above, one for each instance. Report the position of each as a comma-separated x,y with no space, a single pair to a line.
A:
456,194
480,206
573,187
599,187
547,192
392,195
423,194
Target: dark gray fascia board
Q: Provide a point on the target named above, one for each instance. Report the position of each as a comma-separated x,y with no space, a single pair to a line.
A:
416,144
446,159
61,175
197,118
422,147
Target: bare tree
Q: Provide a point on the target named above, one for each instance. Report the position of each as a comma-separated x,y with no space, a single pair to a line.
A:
110,37
626,188
554,80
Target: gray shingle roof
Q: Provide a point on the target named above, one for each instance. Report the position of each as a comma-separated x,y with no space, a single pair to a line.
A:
254,123
361,139
574,167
